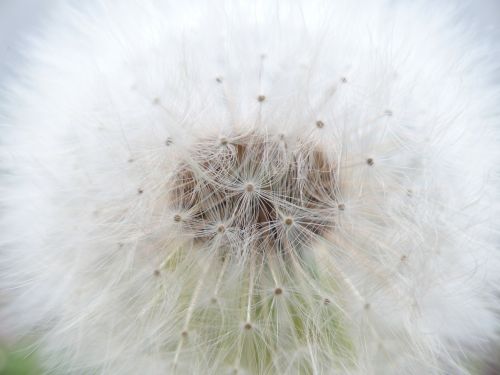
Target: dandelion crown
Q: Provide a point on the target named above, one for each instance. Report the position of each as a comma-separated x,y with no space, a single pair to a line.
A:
252,187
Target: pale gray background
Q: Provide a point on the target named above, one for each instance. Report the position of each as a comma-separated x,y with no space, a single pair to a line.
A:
17,19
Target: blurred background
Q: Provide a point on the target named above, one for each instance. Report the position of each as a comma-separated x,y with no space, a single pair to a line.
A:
20,19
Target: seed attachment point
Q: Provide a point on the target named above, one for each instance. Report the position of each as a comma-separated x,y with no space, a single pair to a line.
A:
249,188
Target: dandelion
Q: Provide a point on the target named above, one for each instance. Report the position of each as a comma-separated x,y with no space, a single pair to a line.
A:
252,188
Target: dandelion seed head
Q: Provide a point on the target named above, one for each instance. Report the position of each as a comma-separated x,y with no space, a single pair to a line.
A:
256,187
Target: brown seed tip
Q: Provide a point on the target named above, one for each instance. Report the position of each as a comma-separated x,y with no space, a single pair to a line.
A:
341,206
261,98
249,187
177,218
156,272
140,191
326,301
288,221
221,228
223,141
248,326
218,79
320,124
370,162
184,333
278,291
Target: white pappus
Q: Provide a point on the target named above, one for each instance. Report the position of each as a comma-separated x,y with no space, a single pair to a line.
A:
252,187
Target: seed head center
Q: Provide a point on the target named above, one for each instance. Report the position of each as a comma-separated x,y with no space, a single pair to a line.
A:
213,186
